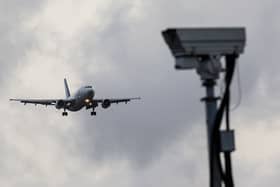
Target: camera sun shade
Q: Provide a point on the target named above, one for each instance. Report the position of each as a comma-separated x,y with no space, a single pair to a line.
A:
189,44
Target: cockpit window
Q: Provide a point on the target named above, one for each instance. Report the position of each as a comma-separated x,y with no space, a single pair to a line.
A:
88,86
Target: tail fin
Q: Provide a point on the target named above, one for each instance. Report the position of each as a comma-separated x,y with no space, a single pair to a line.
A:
67,91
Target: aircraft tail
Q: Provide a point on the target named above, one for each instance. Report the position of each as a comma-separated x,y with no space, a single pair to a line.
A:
67,91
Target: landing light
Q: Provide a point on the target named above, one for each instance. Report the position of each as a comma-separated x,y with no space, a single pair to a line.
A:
87,100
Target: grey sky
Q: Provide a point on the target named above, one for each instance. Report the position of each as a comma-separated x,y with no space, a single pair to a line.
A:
117,47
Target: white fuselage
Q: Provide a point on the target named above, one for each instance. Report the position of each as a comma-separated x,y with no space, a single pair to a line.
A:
83,97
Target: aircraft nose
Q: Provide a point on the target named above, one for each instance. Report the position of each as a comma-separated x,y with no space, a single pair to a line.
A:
91,93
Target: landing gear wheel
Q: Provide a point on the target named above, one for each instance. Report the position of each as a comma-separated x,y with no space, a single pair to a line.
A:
93,113
64,113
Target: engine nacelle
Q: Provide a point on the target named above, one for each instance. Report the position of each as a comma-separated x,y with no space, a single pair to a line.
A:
106,103
59,104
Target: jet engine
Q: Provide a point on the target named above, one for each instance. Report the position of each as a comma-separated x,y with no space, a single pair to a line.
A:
106,103
64,103
59,104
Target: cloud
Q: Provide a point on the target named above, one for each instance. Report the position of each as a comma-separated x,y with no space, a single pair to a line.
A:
118,48
15,39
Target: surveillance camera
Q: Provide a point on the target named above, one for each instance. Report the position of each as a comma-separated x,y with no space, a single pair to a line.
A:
189,44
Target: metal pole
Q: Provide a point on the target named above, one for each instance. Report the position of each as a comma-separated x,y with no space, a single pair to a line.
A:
211,110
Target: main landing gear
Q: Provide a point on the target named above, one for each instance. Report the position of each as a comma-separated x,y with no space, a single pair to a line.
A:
64,113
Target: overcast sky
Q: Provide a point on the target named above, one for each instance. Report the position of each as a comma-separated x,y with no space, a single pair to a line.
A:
117,47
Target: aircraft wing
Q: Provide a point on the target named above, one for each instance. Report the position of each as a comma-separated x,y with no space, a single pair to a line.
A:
115,100
36,101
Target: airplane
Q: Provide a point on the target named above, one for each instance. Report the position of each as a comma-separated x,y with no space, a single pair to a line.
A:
84,97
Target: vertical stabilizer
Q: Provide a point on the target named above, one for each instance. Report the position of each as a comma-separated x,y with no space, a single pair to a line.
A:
67,91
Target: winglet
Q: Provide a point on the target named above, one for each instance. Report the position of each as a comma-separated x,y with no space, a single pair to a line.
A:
136,98
67,91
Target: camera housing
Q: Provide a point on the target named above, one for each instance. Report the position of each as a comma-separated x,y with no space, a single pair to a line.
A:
188,45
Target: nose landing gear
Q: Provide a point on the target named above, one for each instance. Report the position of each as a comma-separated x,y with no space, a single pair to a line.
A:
93,106
93,113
